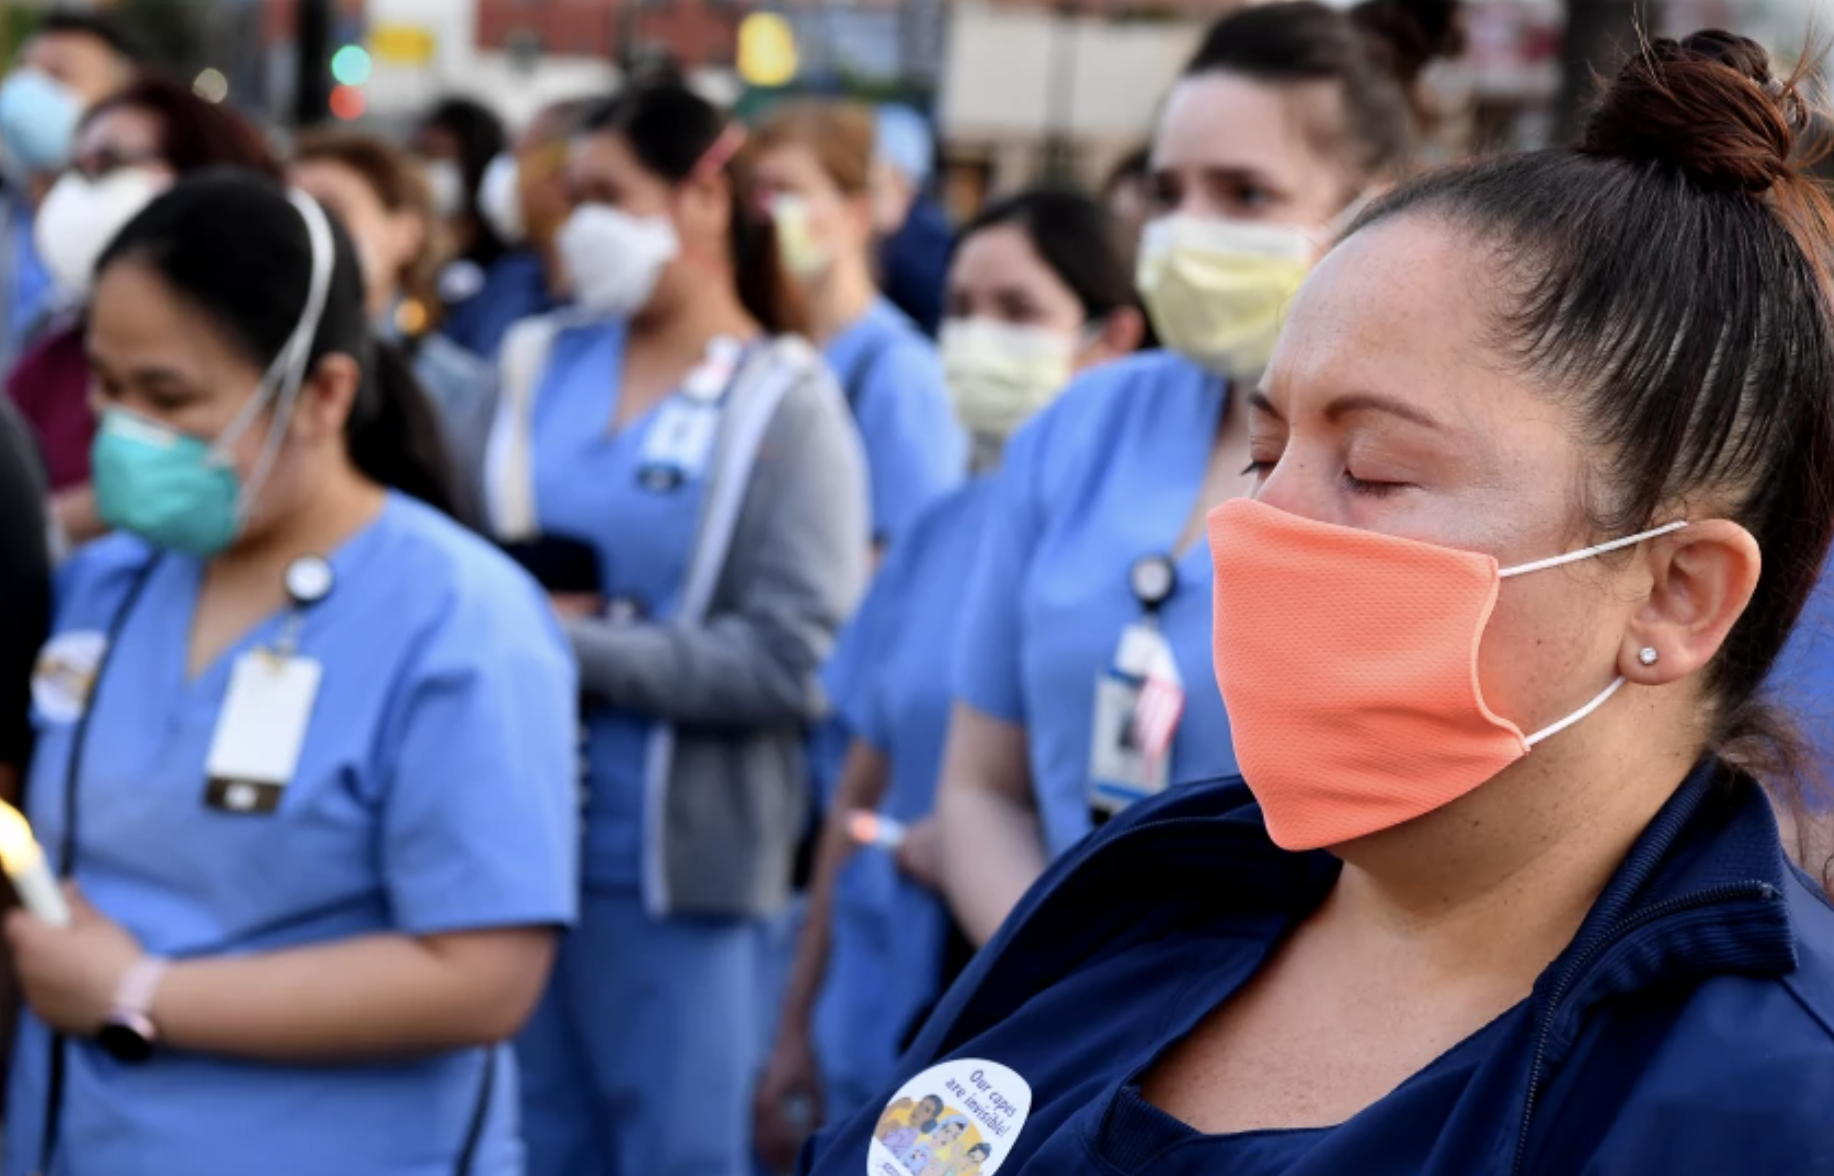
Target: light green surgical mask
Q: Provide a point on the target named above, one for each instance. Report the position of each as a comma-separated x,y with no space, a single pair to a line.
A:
181,492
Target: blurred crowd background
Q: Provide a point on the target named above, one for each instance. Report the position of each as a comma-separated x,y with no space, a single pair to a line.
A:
1013,91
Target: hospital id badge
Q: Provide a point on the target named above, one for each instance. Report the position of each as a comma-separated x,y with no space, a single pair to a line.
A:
1123,767
679,444
260,732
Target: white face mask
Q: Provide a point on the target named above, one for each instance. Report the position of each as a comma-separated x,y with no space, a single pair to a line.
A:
79,218
613,260
500,199
1000,374
446,183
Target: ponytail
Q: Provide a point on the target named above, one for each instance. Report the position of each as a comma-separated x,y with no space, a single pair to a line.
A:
765,287
394,436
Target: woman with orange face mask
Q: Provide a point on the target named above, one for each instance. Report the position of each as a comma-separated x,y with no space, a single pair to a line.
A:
1503,892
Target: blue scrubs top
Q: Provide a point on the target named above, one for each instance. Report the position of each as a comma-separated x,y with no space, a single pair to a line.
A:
890,678
515,288
587,488
1106,475
434,794
916,451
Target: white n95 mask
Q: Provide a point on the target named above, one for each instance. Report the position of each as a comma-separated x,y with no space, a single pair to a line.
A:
500,199
446,185
1000,374
80,216
613,260
1218,290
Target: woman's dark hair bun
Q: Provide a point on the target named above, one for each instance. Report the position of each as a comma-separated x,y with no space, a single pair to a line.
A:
1413,33
1707,105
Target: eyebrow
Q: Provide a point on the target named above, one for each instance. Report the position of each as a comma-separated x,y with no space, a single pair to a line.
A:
145,375
1370,402
1354,402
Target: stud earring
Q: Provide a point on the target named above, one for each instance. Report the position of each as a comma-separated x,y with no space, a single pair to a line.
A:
1649,656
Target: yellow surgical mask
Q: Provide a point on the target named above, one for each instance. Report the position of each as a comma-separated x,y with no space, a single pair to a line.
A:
803,255
1000,374
1218,290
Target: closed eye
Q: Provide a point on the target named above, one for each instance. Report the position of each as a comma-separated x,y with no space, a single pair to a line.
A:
1366,489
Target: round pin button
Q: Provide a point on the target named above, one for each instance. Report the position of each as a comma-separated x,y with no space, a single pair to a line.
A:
1153,579
309,580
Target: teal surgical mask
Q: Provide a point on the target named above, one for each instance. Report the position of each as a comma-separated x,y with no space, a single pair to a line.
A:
181,492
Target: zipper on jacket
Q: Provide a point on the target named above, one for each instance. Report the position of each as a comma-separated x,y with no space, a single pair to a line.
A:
1731,892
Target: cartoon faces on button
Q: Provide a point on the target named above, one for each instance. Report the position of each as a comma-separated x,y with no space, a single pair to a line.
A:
957,1119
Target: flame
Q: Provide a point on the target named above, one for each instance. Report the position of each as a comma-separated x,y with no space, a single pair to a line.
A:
19,850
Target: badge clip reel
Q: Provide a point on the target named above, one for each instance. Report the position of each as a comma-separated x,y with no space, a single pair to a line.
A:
261,729
1138,700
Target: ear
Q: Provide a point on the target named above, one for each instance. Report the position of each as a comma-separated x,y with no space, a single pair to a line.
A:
860,212
1122,333
326,399
703,208
1702,577
892,198
407,236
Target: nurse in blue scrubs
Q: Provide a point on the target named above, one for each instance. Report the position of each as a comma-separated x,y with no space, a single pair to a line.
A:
1083,680
812,164
304,744
1038,289
685,473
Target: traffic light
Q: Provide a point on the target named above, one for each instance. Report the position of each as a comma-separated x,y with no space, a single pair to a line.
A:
351,65
348,103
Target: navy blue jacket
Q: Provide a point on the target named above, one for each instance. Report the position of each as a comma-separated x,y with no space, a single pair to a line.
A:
1688,1028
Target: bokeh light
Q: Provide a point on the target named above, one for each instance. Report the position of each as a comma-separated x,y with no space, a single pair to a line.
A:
347,103
211,86
350,65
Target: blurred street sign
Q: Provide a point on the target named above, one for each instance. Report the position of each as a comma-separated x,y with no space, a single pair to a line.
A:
400,44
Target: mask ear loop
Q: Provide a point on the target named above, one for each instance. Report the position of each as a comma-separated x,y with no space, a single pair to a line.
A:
1582,713
1542,565
290,366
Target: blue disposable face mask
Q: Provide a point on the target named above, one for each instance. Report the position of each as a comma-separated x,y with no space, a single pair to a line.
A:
38,120
181,492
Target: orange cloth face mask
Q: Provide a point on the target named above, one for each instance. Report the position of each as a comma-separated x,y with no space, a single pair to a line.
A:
1348,663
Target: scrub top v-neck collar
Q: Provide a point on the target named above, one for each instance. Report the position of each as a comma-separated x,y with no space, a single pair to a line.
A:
179,580
1134,1137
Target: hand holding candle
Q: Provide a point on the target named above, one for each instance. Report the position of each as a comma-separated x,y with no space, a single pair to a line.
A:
25,864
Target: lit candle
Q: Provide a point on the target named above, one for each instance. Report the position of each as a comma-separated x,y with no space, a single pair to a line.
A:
872,829
30,873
